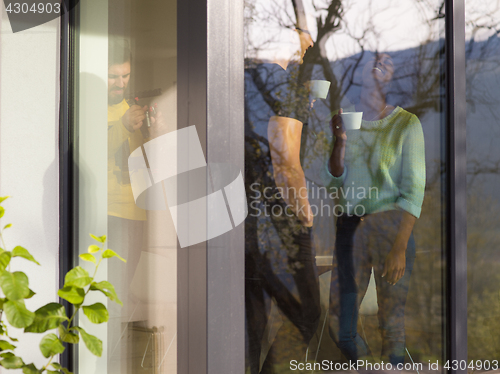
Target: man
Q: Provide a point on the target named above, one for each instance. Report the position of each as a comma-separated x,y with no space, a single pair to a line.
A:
126,221
124,135
281,282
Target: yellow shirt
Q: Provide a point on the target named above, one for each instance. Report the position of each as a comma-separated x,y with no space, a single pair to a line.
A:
121,143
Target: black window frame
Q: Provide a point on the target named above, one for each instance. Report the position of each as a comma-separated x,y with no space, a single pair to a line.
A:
68,186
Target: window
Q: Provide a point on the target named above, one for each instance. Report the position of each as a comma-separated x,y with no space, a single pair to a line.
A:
338,206
127,104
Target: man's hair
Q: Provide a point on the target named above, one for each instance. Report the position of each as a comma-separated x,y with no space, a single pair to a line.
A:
118,51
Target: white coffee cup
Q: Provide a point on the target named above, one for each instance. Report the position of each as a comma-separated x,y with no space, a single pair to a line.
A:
352,120
319,89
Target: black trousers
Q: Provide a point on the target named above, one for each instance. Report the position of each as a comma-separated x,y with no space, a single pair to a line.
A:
289,277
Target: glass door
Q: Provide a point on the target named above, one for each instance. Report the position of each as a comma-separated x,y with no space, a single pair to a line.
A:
127,112
345,167
482,66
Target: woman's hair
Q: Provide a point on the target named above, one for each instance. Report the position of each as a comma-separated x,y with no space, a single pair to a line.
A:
118,51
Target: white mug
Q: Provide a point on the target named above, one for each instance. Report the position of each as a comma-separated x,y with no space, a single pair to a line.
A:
352,120
319,89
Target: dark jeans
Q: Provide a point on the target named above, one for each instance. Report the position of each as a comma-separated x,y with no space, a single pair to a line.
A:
362,244
296,293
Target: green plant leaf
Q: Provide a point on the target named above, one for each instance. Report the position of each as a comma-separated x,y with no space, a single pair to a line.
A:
93,344
96,313
2,211
5,257
3,198
74,295
51,345
93,248
94,237
87,257
17,314
108,253
14,285
30,369
11,361
107,289
31,294
48,317
23,252
57,366
101,239
7,226
5,346
77,277
67,336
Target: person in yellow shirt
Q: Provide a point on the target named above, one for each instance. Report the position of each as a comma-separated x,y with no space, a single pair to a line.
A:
126,221
124,136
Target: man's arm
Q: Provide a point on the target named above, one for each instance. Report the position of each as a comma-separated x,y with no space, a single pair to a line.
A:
119,131
284,136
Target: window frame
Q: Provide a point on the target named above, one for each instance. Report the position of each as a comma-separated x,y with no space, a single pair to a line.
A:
456,248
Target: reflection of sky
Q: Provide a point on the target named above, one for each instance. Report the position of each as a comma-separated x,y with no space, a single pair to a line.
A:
388,25
394,24
400,25
481,13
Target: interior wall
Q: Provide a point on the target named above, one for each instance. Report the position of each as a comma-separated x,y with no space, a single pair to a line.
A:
29,165
92,150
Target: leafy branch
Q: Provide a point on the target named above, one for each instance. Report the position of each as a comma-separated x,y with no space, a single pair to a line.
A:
77,285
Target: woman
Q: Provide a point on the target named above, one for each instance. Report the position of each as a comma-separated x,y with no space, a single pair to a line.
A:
380,170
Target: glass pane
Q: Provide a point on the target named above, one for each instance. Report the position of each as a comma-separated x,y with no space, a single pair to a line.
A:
344,238
127,96
483,176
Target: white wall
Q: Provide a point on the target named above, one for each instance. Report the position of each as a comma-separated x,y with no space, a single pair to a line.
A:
29,105
92,159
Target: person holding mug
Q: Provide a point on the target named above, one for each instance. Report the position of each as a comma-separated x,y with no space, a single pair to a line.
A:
380,170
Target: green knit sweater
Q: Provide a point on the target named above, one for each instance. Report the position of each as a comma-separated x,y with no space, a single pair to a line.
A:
384,167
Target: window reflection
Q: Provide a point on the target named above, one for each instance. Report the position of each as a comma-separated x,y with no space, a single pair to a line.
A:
482,64
140,73
369,276
280,269
379,165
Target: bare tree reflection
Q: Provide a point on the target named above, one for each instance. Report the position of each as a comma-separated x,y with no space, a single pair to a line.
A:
418,86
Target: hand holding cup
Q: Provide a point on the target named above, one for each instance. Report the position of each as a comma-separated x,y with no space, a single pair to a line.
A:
337,126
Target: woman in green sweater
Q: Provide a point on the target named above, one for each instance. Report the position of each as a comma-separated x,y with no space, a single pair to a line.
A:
378,172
